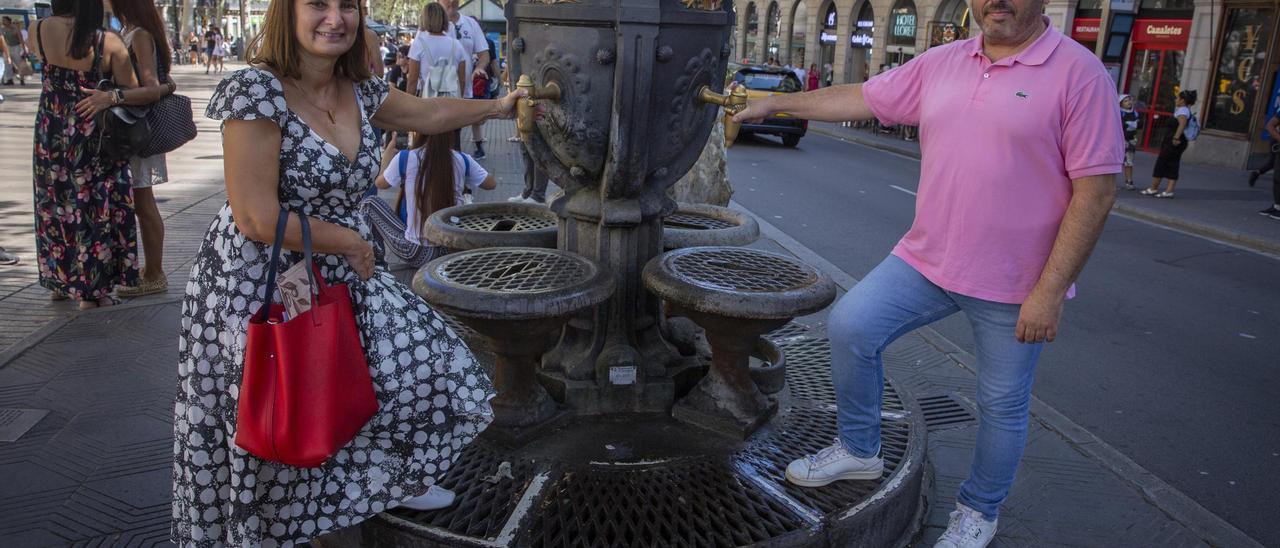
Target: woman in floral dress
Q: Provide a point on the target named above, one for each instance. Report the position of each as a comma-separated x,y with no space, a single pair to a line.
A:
298,133
86,237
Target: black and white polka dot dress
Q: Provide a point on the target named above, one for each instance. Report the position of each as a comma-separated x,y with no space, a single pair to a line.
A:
433,395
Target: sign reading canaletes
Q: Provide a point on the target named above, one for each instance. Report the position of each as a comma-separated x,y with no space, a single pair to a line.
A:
1162,31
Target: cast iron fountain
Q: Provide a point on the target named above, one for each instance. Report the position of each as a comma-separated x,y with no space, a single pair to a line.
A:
617,436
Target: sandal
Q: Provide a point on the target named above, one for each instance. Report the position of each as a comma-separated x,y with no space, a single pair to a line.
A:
1165,194
146,287
1149,192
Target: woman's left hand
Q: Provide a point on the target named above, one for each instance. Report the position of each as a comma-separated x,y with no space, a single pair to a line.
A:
95,101
1177,141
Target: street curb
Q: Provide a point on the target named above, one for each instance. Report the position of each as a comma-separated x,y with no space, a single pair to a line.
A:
1212,529
1219,235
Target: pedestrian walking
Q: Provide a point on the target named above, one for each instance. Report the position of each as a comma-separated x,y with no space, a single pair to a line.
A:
143,34
1130,121
466,30
535,181
219,53
6,60
193,47
14,42
86,239
431,176
1008,264
297,134
1183,127
437,62
1273,129
815,80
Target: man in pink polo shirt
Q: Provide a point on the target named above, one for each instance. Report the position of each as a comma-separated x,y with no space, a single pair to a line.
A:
1020,140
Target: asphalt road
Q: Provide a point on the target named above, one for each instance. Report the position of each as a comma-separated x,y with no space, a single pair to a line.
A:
1170,352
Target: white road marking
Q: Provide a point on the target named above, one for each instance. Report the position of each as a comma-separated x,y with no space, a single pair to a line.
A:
896,187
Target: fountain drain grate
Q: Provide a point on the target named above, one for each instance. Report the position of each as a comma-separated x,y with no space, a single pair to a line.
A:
742,269
693,221
505,222
512,271
693,505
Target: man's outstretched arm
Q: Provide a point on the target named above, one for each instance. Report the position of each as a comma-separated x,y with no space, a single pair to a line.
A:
841,103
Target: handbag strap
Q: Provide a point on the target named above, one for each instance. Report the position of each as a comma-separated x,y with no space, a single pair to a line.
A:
97,58
40,41
281,224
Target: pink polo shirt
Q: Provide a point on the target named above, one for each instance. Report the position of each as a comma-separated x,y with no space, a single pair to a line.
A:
1000,144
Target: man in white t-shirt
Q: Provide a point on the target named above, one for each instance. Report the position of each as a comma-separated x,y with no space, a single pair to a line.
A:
467,31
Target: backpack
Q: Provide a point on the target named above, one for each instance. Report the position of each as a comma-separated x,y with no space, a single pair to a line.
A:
1193,128
441,76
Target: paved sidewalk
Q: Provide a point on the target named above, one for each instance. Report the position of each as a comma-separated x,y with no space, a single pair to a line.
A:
96,469
1211,201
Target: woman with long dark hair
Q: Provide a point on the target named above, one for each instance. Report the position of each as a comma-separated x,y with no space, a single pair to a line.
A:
86,240
433,175
144,35
297,133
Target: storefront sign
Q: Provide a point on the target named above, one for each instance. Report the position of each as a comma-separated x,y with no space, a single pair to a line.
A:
829,21
1085,30
862,34
1162,31
904,25
826,38
1240,74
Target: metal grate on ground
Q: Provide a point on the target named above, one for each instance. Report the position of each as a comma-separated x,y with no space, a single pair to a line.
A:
943,411
792,330
482,507
694,504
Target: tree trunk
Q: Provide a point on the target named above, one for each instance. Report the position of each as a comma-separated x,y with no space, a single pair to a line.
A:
244,30
184,19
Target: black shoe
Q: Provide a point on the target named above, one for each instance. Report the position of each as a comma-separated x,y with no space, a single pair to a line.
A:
479,155
1272,211
1253,177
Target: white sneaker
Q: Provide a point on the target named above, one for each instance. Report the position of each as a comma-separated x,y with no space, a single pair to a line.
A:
833,463
967,529
436,498
518,198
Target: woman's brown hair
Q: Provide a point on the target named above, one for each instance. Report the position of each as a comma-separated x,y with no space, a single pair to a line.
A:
434,188
434,18
277,47
145,15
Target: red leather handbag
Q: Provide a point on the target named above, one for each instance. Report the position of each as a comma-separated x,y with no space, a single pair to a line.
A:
306,390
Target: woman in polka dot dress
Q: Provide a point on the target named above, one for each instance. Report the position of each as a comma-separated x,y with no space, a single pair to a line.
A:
297,133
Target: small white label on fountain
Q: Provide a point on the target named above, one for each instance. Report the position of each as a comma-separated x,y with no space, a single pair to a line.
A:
622,374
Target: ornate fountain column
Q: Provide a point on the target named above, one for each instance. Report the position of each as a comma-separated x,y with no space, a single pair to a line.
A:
627,124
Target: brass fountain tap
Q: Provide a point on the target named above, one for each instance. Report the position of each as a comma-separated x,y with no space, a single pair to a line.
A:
733,103
526,106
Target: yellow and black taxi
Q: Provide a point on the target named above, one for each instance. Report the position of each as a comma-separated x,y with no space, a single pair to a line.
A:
762,81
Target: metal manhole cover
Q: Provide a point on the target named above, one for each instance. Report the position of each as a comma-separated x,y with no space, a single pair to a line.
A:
492,222
16,422
742,270
693,221
513,271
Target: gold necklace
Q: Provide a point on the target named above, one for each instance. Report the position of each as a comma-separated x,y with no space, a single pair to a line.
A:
307,98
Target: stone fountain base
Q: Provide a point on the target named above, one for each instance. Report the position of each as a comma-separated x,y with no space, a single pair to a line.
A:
650,480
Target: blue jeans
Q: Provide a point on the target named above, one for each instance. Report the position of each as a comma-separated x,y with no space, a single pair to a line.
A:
895,299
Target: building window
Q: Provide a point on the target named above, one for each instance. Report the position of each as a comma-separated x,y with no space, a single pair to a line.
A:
772,34
753,31
1239,76
799,26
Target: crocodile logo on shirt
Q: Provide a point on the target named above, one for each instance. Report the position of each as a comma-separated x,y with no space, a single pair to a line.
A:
1021,95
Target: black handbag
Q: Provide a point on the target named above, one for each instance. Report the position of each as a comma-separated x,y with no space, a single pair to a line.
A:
170,119
122,129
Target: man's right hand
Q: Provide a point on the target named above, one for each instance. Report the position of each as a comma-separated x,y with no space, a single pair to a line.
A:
756,110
